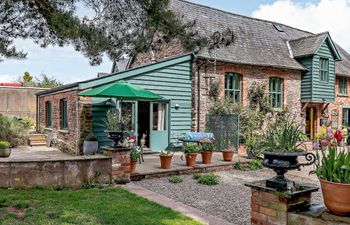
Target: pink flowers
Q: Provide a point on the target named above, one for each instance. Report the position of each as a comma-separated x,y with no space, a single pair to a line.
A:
324,143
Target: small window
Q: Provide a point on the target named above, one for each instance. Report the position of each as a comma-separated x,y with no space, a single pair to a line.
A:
346,117
233,86
343,86
63,114
276,92
48,114
324,65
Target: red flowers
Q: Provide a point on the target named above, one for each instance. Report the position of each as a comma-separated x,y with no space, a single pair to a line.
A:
338,136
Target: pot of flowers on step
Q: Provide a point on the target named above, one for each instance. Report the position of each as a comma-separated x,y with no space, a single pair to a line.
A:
282,141
191,151
207,150
165,159
5,150
134,156
332,155
90,145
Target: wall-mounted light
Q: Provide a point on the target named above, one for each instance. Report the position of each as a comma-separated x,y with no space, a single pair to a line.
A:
177,106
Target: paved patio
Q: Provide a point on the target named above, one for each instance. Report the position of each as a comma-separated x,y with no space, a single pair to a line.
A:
24,153
151,166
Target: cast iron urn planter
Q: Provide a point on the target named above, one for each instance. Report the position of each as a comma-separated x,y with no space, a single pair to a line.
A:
281,162
117,137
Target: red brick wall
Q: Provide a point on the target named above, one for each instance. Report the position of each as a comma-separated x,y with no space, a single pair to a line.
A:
79,120
250,74
340,101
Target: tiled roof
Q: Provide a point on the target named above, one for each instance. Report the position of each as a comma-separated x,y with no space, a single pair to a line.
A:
257,42
307,45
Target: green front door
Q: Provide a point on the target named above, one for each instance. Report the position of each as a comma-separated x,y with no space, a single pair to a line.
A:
159,126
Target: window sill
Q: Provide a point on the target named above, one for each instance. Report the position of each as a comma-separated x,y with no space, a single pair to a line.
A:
48,129
63,131
343,95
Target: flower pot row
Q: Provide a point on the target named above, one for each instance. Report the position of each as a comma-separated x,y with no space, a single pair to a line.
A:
166,158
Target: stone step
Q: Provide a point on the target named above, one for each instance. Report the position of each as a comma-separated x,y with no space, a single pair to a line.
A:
39,143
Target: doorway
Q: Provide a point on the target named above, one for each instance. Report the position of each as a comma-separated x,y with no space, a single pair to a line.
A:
143,116
311,122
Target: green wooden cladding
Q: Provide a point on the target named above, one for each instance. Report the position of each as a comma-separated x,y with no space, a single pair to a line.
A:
313,88
171,79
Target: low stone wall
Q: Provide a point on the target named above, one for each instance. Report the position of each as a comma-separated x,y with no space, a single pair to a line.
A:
316,215
120,164
72,172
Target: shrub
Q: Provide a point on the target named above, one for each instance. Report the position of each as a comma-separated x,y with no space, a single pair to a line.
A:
91,137
175,179
4,144
209,179
225,106
239,165
13,130
255,165
196,176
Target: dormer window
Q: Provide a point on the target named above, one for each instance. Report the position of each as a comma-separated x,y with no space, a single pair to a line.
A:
343,86
324,67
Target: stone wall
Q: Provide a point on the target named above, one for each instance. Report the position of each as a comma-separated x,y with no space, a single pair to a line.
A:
55,173
250,74
19,102
68,140
336,109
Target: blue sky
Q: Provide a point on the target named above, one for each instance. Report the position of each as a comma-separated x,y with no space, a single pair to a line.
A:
69,66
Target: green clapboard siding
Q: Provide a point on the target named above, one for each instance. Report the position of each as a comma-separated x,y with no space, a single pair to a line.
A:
312,88
99,109
171,79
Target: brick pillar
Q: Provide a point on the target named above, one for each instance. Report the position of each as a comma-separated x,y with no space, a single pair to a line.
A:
120,164
270,207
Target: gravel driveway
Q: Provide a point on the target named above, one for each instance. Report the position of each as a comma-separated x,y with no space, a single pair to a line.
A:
230,200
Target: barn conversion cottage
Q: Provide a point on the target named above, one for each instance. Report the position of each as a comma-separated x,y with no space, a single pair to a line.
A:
306,72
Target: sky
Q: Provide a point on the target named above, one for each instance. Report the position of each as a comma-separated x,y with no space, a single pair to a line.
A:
67,65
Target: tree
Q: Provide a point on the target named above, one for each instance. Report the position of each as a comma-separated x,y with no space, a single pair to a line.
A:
27,77
47,82
116,28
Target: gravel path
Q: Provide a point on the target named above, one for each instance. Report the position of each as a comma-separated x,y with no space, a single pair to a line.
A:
230,200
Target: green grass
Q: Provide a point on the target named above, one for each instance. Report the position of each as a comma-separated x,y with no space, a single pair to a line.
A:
84,206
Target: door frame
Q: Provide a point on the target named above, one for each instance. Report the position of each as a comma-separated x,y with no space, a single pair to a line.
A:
167,116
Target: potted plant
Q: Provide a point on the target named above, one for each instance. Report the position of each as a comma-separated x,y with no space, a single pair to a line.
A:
191,152
227,154
165,159
281,149
5,150
333,170
90,145
115,128
207,150
134,155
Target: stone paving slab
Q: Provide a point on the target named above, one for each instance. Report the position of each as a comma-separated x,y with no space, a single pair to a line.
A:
175,205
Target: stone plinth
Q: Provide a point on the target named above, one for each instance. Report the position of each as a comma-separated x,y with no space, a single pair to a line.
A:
120,163
270,207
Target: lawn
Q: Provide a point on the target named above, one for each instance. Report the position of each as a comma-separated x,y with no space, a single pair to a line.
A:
85,206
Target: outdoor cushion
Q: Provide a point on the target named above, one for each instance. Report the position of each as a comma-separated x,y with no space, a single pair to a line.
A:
196,136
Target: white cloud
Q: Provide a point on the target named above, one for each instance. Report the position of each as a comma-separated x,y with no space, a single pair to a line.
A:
4,78
324,15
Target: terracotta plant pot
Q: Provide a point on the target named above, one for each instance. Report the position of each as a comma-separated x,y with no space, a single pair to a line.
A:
206,157
165,161
336,197
133,164
228,155
191,159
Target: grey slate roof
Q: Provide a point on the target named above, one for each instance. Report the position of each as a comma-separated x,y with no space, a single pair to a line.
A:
343,67
307,45
257,42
